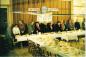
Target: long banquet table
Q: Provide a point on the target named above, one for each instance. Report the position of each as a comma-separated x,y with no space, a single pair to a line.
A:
48,40
67,35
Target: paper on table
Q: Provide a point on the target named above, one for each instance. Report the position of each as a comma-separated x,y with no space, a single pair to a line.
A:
21,38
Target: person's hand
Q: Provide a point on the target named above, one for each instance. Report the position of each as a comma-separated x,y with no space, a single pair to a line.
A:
37,31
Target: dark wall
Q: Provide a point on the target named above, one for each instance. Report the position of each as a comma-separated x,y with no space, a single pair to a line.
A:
5,39
3,20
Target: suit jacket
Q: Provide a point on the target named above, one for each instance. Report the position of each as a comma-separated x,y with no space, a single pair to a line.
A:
57,28
67,26
24,28
36,29
43,28
77,25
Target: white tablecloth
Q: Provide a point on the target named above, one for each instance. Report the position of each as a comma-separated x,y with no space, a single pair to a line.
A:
47,40
39,38
21,38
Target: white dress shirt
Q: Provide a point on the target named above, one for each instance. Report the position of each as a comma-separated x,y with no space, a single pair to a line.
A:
16,30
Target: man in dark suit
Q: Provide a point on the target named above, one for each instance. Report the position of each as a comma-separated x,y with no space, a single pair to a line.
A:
43,27
23,27
57,27
49,27
77,25
67,25
36,28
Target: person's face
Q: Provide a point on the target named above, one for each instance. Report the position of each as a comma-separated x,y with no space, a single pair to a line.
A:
37,24
59,23
32,23
16,25
20,22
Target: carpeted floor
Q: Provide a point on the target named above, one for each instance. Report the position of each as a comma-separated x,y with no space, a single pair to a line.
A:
23,52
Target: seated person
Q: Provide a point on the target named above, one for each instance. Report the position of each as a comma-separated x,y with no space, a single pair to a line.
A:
43,27
57,27
54,27
23,27
23,30
37,27
83,24
77,25
16,30
49,27
30,28
67,25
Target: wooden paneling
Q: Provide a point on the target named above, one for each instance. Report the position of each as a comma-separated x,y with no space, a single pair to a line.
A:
23,5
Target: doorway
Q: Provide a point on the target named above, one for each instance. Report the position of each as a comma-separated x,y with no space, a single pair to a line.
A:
3,20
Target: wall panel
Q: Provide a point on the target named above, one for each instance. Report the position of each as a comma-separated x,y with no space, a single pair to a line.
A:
23,5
